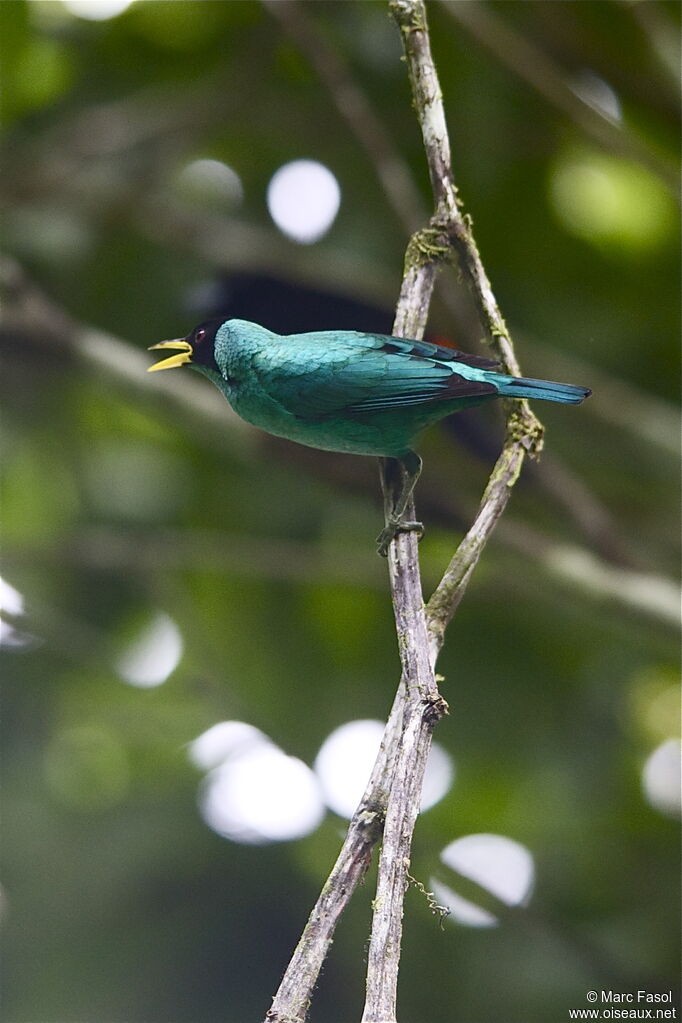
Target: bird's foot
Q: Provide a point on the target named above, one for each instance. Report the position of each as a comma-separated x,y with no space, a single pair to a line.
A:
391,529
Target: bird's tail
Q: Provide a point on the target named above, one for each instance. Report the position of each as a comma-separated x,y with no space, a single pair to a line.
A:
545,390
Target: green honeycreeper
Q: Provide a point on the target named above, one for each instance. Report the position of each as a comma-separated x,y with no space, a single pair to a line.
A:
342,390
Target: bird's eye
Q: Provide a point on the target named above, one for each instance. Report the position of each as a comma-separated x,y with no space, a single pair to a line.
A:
199,336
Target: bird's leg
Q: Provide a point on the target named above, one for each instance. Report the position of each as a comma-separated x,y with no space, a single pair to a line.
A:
409,466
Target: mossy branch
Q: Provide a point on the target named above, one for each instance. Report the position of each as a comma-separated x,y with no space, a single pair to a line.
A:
394,791
447,238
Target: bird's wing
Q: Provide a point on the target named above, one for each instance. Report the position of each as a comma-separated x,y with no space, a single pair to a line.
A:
330,373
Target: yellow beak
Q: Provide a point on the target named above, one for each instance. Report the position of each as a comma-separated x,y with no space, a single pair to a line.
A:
183,354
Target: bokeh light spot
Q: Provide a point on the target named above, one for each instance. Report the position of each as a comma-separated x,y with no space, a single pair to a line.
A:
654,701
12,602
598,94
502,866
661,778
221,741
152,656
210,182
260,795
254,793
346,758
96,10
10,599
462,910
303,200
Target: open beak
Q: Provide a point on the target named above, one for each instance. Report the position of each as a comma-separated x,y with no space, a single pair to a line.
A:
183,354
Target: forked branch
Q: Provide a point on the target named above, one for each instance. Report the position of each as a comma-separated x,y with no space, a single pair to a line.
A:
390,804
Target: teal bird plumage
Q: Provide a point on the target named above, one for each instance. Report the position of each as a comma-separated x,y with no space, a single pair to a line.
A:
366,394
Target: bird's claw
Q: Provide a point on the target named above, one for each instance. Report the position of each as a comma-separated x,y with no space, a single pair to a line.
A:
391,529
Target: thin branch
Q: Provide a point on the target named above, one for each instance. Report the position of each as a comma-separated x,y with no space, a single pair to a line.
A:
524,431
402,759
449,592
423,705
290,1004
403,754
449,231
403,807
423,708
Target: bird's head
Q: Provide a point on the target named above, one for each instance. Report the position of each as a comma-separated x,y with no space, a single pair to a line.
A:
198,348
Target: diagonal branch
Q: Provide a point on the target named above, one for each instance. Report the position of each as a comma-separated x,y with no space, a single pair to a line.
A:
291,1002
450,590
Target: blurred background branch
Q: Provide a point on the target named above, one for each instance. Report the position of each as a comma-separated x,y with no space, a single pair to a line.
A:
28,312
355,108
601,124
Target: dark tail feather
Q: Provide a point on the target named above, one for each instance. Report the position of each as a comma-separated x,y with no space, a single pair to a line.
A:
545,390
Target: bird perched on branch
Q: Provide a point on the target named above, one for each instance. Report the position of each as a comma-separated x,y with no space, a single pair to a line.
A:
366,394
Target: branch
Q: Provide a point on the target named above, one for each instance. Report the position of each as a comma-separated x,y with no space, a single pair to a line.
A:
396,783
449,232
400,758
423,708
449,592
524,431
290,1004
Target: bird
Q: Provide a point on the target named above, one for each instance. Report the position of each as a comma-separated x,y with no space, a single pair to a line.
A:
349,391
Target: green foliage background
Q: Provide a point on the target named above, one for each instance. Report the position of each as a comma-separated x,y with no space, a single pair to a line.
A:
121,905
